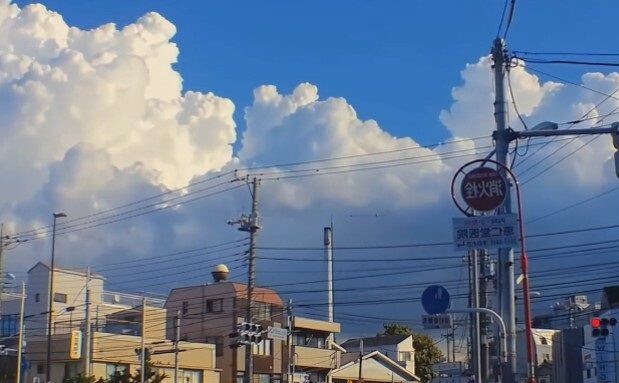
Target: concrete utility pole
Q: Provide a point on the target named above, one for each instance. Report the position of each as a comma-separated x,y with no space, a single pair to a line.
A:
485,267
20,342
251,225
475,342
289,341
1,265
507,285
328,242
143,343
87,329
360,360
177,339
50,298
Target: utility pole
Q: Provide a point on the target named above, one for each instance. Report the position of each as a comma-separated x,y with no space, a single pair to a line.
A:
475,342
360,361
177,339
1,265
328,242
507,285
485,267
289,341
251,225
143,343
87,328
447,336
20,342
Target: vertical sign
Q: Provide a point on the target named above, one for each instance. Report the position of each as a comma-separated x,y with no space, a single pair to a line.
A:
604,360
75,346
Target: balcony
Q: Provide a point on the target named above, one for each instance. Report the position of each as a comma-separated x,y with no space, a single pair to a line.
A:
310,357
129,300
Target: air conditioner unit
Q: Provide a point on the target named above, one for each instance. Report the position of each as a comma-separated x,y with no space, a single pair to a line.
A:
116,298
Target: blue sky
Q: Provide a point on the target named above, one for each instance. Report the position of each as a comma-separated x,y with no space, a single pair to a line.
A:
394,61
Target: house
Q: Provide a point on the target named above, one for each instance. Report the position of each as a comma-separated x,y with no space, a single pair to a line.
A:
375,368
398,348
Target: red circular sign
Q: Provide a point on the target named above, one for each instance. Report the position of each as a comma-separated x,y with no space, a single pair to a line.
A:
483,189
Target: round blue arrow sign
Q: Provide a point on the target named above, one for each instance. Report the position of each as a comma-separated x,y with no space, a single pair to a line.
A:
435,299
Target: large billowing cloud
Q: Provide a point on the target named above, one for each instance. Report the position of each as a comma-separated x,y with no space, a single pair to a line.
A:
96,119
113,89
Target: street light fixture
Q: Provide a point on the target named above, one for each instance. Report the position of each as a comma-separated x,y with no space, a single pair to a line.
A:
51,301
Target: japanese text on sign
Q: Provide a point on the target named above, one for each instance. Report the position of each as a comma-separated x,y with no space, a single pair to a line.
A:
487,232
483,189
438,321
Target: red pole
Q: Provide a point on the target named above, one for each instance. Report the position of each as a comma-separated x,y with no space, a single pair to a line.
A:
524,267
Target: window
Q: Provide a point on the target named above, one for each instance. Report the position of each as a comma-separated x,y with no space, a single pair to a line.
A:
214,305
404,356
309,340
37,297
589,374
263,348
190,376
261,311
185,308
543,340
8,325
60,297
113,368
40,369
262,378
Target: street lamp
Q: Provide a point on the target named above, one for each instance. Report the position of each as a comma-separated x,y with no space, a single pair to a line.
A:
50,300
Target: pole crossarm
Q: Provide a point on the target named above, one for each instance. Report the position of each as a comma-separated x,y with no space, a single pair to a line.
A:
512,135
566,132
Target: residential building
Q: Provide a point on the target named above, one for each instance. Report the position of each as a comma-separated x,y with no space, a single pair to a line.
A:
566,351
117,328
115,352
398,348
571,312
568,316
210,312
376,368
600,353
543,354
314,354
9,324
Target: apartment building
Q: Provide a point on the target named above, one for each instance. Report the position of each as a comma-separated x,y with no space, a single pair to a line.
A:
313,354
210,312
117,328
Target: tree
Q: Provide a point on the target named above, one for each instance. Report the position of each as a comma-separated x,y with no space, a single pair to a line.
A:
426,351
151,375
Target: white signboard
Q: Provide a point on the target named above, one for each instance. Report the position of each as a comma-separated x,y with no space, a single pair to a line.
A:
485,232
277,333
448,368
438,321
452,379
